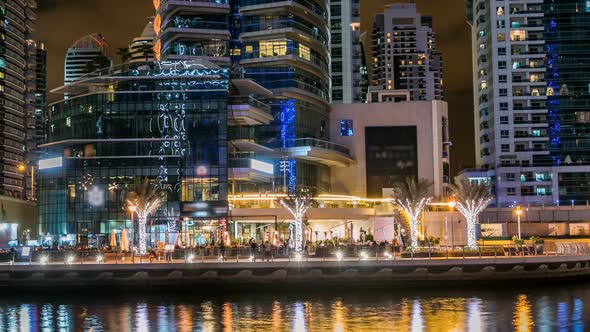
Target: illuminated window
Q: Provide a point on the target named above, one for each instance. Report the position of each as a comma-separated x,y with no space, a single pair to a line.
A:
501,37
304,52
272,48
517,35
500,11
346,128
236,51
1,75
249,49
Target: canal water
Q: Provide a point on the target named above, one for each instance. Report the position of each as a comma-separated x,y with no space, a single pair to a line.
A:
546,308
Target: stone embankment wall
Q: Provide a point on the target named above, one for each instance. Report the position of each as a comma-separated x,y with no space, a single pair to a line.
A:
304,274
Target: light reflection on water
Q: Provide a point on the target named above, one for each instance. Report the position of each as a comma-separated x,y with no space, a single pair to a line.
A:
544,309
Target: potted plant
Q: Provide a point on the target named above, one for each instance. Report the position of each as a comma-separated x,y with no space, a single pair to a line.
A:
518,243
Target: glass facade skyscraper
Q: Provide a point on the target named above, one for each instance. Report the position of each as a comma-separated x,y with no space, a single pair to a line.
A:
283,47
162,120
531,82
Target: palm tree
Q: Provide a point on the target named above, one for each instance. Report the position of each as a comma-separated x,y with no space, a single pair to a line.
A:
147,50
412,197
124,54
89,67
146,199
471,198
297,205
101,61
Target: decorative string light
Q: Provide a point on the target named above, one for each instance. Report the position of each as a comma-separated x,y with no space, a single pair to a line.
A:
470,209
412,210
297,206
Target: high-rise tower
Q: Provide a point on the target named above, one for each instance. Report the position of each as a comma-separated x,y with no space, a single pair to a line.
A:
282,47
404,56
16,25
530,58
141,48
87,54
348,81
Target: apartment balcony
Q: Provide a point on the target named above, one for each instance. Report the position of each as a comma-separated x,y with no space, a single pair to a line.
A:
316,150
309,63
200,6
250,170
247,111
250,145
308,9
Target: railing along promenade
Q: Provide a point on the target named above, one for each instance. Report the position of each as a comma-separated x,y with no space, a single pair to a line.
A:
349,253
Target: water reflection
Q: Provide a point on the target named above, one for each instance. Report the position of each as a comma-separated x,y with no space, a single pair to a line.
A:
505,310
523,318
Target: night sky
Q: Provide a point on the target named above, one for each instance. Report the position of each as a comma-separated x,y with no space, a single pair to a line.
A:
62,22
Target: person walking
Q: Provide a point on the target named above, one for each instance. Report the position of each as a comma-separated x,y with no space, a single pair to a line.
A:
253,248
267,251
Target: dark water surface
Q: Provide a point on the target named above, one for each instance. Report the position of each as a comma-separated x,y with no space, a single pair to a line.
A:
546,308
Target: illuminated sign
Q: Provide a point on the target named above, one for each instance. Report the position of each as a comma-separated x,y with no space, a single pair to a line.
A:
95,196
261,166
50,163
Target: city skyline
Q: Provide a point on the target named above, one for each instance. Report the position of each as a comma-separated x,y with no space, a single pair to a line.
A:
119,27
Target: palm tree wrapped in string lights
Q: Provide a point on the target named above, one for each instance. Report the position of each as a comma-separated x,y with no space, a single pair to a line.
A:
471,199
146,198
297,205
411,197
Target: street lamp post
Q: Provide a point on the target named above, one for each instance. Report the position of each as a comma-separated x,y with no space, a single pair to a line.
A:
451,206
22,168
518,212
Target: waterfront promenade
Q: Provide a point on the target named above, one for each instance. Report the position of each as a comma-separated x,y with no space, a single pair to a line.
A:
293,272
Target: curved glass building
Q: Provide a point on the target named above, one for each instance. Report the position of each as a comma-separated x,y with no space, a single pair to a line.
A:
282,46
189,29
82,52
162,120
